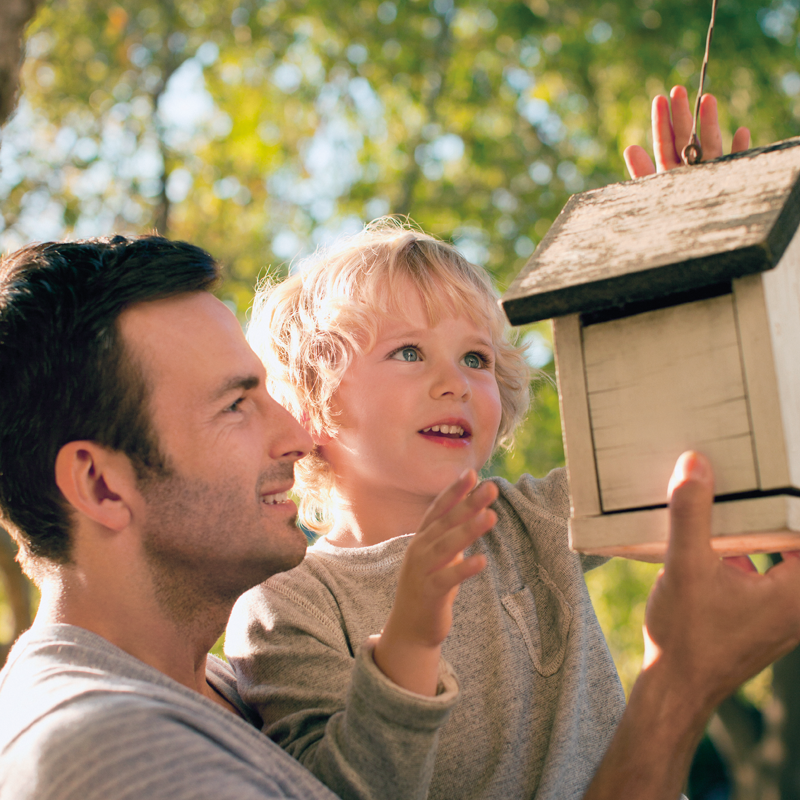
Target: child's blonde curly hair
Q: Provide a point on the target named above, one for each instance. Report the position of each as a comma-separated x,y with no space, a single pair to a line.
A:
308,328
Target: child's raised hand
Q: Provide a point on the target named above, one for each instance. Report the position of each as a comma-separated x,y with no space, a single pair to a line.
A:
671,134
409,647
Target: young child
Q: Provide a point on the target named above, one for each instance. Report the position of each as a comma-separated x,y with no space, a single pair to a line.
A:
392,349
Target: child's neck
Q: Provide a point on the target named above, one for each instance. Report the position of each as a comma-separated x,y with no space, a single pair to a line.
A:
362,519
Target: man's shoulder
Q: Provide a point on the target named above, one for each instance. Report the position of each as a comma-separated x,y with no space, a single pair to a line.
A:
73,728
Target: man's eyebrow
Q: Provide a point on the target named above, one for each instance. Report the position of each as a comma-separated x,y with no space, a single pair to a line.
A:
242,383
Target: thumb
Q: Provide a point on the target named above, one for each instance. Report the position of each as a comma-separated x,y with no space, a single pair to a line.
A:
690,494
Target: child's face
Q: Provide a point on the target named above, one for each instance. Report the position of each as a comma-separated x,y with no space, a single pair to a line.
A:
416,378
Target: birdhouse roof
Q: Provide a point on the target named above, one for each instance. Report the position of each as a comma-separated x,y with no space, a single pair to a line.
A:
681,232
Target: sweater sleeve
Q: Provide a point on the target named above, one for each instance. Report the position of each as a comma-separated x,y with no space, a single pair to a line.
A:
325,702
551,495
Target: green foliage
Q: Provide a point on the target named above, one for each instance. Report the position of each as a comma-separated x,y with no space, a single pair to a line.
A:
619,592
261,128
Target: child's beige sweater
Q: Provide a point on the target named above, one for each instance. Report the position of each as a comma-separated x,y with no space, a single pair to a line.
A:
539,698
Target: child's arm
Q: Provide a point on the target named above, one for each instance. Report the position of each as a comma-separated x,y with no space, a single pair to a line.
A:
671,134
409,648
710,625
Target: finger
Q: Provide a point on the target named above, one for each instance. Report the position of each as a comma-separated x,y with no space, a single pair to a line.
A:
448,578
442,551
663,135
742,563
691,493
478,499
741,140
681,118
450,497
710,134
791,554
638,162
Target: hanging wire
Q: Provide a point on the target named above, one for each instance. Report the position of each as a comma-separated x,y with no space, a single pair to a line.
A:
693,152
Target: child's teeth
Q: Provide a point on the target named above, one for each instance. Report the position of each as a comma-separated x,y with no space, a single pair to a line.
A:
448,430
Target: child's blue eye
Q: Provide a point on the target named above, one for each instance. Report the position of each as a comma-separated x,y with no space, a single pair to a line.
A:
406,354
472,360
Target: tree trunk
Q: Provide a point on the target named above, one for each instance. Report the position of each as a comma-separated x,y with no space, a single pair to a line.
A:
14,16
17,590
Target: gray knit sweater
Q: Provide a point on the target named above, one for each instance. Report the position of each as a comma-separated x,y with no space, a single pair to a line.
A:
540,697
82,720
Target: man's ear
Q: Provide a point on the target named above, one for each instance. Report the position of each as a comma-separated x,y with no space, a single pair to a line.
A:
98,483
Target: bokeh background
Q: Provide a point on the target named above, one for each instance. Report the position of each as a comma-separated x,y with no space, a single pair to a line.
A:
260,129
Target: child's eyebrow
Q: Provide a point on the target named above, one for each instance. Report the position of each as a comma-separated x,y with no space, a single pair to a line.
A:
488,343
411,333
415,333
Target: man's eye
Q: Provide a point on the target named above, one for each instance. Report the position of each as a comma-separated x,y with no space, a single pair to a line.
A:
406,354
235,405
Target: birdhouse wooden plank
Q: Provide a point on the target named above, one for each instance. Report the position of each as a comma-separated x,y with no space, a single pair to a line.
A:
676,306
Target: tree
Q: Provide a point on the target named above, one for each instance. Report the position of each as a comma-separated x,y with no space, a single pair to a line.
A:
14,16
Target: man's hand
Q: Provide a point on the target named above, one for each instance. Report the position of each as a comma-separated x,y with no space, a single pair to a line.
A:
671,134
409,647
710,624
713,623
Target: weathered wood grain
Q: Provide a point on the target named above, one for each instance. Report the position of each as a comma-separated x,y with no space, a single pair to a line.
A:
575,423
761,382
682,229
739,527
782,296
658,384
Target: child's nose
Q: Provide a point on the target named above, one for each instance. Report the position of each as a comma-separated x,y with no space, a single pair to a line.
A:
449,380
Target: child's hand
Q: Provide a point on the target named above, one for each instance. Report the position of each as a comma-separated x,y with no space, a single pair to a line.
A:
409,647
671,135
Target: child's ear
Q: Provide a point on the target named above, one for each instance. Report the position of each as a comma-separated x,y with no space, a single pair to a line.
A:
319,437
97,482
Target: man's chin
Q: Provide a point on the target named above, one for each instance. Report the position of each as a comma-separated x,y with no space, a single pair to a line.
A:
287,556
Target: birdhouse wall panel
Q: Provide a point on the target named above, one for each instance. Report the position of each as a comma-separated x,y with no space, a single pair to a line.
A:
761,379
662,382
782,296
575,422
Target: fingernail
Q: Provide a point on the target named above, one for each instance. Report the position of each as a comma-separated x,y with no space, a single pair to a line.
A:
689,467
464,474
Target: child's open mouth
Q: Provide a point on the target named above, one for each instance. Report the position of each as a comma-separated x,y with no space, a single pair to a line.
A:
445,431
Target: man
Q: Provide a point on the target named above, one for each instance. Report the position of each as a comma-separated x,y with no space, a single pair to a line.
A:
144,475
143,471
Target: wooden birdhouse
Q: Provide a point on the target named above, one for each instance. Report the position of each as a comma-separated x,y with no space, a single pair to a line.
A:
676,306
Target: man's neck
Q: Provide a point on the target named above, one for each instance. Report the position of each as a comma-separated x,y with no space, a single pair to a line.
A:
134,622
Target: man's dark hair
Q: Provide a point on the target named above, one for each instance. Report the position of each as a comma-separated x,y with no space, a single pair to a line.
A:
65,374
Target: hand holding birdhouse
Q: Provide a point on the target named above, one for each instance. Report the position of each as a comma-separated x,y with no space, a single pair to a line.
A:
672,128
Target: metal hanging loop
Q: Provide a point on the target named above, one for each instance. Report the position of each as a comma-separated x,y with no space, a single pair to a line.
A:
693,152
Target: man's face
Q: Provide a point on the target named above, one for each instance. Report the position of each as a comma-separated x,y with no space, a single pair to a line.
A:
220,522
